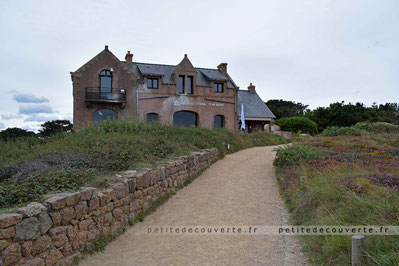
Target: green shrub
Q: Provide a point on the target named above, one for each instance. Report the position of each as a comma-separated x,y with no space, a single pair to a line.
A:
32,188
13,133
297,124
296,154
379,127
356,130
341,131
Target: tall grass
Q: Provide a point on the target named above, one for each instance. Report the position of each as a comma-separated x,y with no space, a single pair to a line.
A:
324,200
144,139
342,191
28,167
296,154
339,131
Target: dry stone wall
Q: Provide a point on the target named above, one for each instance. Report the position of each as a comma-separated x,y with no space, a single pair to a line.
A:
56,231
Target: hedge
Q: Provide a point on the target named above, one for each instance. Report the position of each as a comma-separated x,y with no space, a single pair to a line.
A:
297,124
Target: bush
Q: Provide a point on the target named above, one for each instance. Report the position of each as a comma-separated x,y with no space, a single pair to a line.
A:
55,127
345,115
341,131
32,188
297,124
356,130
379,127
15,133
296,154
45,163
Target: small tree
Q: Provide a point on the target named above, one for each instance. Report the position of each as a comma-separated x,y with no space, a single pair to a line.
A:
282,108
14,133
297,124
54,127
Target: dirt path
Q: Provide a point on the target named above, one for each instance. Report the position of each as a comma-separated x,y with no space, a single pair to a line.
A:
238,190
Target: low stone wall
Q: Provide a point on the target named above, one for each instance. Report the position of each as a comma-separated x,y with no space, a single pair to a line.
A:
56,231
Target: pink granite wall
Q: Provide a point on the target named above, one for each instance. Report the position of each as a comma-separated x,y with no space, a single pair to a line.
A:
56,231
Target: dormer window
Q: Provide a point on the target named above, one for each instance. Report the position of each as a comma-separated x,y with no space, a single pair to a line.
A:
190,80
152,83
218,87
181,84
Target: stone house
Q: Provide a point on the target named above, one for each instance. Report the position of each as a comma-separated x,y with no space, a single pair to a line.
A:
183,95
256,113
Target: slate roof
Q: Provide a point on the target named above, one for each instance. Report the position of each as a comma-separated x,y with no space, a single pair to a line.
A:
253,105
204,78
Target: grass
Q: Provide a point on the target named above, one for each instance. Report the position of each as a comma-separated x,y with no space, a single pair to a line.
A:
99,244
152,208
338,131
103,240
296,154
31,168
354,183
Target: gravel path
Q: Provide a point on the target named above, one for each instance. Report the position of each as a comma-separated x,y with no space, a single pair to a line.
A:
238,190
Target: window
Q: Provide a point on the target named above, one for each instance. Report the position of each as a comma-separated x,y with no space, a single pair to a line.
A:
104,114
218,87
185,119
152,83
190,84
152,117
105,82
181,84
218,121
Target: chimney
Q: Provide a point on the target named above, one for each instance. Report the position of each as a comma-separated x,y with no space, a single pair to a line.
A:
129,58
223,67
251,88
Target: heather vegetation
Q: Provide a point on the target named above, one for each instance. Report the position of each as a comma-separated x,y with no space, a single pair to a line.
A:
341,131
32,167
296,154
352,178
362,128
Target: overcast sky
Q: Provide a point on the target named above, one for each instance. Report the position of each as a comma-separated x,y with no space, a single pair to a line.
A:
311,51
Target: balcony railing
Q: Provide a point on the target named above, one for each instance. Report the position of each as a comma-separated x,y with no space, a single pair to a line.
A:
114,95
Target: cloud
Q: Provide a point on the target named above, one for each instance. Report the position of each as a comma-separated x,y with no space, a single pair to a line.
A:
10,116
40,118
2,126
68,116
34,128
35,109
28,98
